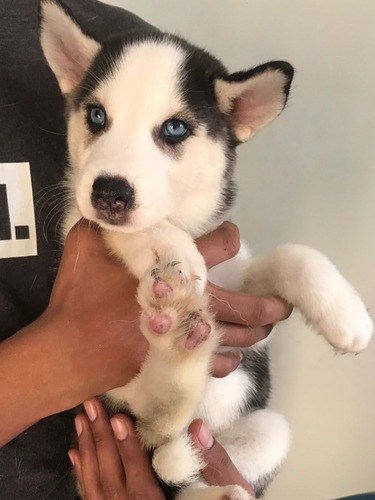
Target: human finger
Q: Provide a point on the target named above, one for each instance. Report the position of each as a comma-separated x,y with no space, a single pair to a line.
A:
76,462
89,467
235,336
225,363
220,470
219,245
112,477
141,481
244,309
243,336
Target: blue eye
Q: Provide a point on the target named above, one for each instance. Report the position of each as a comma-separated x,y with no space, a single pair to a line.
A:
96,116
175,130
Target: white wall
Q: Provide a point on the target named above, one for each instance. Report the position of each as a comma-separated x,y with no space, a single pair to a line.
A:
308,178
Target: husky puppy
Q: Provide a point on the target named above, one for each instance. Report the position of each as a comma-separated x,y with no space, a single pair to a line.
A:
153,124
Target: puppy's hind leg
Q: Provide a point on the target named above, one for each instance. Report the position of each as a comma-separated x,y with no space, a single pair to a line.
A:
309,281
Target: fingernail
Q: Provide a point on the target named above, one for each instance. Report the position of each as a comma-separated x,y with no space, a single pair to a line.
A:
119,428
71,457
79,426
90,410
205,437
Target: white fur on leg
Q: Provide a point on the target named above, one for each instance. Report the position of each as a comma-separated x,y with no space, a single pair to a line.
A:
203,492
142,250
177,461
257,444
309,281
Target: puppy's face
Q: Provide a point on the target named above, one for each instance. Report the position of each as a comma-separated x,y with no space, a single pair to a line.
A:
141,150
153,123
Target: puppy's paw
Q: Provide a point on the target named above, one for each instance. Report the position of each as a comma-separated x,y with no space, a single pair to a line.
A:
308,280
232,492
177,461
343,320
349,332
175,315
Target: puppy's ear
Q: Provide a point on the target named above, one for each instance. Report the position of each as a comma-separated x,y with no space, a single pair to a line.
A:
254,98
68,50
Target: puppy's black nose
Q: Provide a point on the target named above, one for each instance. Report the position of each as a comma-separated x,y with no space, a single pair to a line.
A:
112,198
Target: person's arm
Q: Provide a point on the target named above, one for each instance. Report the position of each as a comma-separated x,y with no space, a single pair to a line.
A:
80,345
88,340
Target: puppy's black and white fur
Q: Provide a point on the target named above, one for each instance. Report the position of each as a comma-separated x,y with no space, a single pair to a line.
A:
153,124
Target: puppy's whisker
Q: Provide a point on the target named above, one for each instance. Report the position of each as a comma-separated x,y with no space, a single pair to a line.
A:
56,210
49,187
49,195
51,200
57,226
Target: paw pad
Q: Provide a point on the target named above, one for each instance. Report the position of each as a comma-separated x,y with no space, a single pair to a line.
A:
198,332
175,314
159,323
161,288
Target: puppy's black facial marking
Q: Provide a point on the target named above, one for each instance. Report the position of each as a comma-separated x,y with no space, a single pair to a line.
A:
197,77
196,82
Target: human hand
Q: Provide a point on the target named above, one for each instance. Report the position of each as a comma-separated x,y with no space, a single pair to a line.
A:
219,469
111,463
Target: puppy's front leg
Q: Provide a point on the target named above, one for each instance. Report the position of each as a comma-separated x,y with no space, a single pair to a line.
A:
180,329
309,281
163,243
176,321
182,336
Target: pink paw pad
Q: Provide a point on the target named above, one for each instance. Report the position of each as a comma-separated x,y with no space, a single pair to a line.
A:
198,333
159,323
161,289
